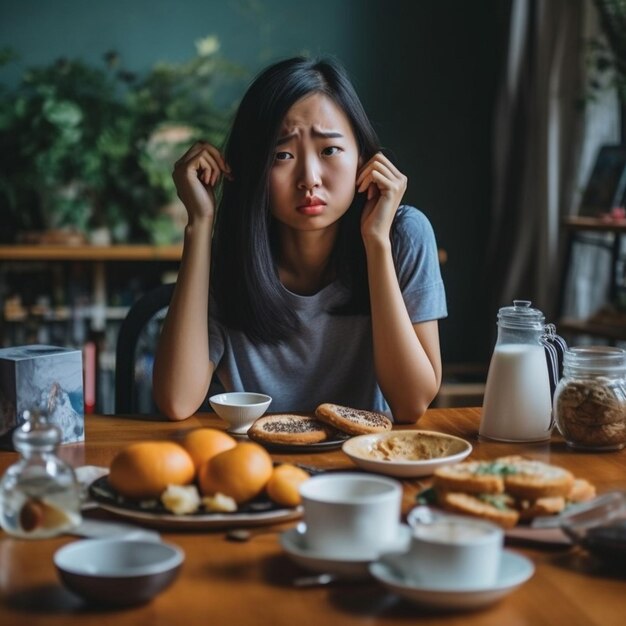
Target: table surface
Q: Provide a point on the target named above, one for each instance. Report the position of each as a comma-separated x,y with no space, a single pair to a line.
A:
228,583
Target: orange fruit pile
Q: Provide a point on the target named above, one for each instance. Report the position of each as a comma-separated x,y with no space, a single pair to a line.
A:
211,457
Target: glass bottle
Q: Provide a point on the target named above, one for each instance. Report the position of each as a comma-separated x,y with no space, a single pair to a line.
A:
590,399
518,402
39,495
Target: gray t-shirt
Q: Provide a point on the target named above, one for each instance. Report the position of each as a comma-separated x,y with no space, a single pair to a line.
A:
331,359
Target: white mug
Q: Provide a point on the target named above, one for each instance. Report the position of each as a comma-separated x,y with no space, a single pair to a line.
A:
453,552
351,515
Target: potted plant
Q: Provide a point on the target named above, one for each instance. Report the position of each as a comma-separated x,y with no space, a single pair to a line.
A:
90,147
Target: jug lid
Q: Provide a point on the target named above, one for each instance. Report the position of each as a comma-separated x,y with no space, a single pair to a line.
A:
521,316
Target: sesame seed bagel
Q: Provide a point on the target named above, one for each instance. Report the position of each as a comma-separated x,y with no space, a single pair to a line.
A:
288,429
352,421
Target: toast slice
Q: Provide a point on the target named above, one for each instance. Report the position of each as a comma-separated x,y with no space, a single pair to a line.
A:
496,508
352,421
472,477
528,510
534,479
522,478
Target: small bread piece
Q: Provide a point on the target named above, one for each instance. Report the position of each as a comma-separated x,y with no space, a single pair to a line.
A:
352,421
581,491
289,429
543,506
468,504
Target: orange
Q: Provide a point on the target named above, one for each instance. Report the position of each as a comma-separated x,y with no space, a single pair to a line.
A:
283,487
146,468
241,472
204,443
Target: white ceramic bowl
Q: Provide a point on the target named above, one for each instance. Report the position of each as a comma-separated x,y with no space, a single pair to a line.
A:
359,449
116,571
240,408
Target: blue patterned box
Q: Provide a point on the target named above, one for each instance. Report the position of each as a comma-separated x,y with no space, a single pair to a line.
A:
44,378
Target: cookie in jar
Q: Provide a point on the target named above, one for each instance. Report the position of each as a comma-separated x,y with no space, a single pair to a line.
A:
590,399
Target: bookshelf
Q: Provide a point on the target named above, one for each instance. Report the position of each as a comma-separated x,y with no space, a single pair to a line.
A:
76,296
607,322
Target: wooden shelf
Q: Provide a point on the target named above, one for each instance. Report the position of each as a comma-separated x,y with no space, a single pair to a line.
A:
90,253
594,224
593,329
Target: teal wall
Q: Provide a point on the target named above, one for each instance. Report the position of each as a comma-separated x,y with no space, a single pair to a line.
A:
425,69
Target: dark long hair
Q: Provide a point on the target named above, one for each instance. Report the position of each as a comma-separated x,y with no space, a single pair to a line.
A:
244,277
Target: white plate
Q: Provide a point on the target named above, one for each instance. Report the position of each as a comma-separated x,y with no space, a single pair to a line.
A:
293,542
358,449
515,570
255,513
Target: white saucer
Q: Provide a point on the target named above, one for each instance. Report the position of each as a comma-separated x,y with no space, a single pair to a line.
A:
514,570
293,542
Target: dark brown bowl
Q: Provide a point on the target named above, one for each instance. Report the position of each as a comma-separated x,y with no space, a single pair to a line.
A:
118,572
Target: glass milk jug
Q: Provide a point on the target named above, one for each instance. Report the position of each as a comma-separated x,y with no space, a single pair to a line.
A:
518,400
39,495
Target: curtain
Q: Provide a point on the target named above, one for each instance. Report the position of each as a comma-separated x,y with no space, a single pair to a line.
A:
542,148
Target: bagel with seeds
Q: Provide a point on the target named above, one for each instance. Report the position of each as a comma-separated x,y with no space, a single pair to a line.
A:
287,428
352,421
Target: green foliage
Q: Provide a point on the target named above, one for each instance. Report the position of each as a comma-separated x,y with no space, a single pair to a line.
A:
87,146
607,58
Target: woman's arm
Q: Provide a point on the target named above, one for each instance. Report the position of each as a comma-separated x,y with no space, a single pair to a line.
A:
407,357
182,370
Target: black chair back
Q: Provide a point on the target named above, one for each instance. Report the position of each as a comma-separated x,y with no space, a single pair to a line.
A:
138,316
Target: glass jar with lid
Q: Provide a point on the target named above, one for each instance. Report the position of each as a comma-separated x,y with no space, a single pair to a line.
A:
590,399
39,495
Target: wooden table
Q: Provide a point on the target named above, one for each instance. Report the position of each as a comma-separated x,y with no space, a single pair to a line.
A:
226,583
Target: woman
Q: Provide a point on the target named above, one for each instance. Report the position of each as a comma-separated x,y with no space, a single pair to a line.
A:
317,285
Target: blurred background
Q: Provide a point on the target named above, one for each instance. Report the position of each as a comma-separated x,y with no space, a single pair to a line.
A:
496,110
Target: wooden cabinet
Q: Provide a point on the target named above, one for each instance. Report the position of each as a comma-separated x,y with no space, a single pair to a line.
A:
609,320
76,296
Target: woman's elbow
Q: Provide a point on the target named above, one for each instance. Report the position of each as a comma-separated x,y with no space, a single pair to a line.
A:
175,409
409,414
412,411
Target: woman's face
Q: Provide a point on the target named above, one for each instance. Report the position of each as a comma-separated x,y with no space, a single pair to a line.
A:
316,158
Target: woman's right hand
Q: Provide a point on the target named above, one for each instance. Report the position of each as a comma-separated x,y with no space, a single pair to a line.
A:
195,175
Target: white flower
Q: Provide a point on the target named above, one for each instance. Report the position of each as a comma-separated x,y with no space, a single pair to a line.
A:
207,46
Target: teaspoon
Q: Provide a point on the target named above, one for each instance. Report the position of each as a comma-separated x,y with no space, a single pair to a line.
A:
314,581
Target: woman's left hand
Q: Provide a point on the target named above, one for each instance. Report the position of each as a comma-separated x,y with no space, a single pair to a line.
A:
385,185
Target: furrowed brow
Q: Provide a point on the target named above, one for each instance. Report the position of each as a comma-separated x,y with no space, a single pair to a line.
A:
285,139
326,134
316,133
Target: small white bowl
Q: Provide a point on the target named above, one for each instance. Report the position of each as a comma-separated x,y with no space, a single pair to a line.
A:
120,572
359,449
240,408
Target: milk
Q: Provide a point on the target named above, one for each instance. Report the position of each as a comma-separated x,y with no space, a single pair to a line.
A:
452,531
518,403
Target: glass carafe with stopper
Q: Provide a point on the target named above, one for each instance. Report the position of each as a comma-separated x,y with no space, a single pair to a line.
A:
39,495
518,402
